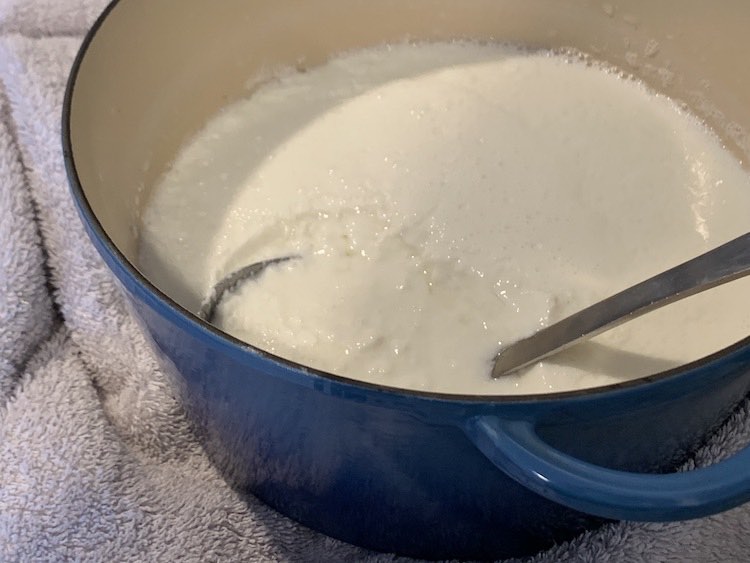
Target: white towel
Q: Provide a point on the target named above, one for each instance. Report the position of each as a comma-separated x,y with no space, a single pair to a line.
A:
97,461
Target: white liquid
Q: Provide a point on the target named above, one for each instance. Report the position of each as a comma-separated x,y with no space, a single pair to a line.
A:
447,199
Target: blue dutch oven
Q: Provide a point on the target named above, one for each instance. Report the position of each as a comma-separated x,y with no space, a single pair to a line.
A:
427,475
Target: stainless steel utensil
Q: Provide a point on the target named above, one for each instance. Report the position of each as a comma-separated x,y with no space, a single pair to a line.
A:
723,264
229,283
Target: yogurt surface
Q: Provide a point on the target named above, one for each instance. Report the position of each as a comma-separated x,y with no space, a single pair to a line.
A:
446,199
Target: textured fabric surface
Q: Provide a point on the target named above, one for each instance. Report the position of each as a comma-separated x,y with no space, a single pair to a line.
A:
97,461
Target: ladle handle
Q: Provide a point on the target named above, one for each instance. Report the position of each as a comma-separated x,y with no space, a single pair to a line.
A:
723,264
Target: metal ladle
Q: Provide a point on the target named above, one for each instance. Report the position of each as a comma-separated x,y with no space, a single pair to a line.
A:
230,283
723,264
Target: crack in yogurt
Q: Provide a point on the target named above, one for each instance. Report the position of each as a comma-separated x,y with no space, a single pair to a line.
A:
446,199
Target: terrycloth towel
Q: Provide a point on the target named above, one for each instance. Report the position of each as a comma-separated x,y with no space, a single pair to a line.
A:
97,461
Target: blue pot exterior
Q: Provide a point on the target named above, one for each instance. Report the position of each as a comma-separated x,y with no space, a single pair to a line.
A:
357,465
395,471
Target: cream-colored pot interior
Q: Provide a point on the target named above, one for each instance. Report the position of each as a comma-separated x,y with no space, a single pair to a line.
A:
156,71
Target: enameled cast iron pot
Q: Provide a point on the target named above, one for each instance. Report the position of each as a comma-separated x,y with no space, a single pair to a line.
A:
415,473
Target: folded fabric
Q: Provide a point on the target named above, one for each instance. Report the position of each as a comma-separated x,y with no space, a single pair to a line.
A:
97,460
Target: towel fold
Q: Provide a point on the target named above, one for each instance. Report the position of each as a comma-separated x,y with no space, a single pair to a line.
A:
97,460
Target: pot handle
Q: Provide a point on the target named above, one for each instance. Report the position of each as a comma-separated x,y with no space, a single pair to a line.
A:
517,449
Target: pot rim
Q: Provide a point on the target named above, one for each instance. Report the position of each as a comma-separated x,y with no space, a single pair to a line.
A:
247,349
